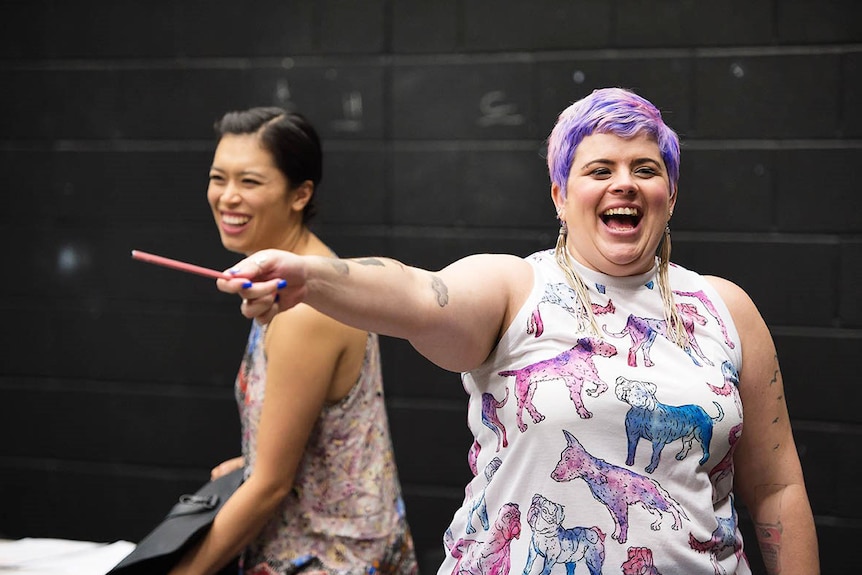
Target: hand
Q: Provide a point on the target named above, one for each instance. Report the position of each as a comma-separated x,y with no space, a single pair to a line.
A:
268,281
226,467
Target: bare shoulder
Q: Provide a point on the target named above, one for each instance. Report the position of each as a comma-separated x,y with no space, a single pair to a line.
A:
754,334
502,277
505,270
303,325
738,302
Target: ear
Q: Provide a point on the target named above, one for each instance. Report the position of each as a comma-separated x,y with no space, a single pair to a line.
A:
673,198
558,197
302,195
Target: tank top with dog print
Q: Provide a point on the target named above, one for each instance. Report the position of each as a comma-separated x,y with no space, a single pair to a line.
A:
607,454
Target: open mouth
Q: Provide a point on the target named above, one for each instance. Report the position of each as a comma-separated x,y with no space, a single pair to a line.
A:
621,218
235,219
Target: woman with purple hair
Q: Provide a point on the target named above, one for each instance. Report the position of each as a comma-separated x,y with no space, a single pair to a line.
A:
611,352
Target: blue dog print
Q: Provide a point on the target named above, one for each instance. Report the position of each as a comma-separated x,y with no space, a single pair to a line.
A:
661,424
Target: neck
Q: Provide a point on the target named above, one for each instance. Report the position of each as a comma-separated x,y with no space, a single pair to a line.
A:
296,241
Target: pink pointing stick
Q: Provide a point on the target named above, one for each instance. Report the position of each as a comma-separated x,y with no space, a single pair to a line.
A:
178,265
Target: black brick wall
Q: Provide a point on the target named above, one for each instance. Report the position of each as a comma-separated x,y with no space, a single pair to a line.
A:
116,376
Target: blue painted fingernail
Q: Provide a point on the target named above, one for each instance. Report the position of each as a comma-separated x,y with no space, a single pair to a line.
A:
276,298
281,284
233,271
247,285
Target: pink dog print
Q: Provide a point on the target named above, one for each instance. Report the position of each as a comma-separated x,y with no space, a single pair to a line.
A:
560,294
639,562
492,556
643,331
730,385
473,457
723,538
557,544
616,488
478,506
574,366
490,405
707,303
725,467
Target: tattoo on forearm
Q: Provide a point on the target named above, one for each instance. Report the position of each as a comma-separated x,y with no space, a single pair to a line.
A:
341,267
768,525
375,261
370,262
441,290
769,537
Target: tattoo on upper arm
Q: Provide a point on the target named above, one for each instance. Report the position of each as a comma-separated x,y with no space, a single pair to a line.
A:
775,373
441,290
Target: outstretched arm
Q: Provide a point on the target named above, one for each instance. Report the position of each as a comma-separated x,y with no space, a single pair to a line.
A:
768,474
453,317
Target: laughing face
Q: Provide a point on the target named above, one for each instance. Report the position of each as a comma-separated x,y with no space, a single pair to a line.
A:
616,204
252,201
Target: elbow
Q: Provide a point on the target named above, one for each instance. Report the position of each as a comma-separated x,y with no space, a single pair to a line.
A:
269,492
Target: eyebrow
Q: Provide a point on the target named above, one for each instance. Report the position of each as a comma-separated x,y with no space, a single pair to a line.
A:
242,173
637,162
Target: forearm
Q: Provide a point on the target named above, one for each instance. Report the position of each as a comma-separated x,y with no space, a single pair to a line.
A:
785,530
374,294
238,522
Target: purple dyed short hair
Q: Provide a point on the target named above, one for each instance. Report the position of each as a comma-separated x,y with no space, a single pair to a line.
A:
609,111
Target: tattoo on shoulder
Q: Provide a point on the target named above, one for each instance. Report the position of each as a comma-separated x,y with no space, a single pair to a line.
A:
441,290
341,267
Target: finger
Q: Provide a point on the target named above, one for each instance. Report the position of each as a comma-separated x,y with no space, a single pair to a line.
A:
250,289
269,314
262,308
258,266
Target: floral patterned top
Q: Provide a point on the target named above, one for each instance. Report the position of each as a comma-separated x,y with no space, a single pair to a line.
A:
344,514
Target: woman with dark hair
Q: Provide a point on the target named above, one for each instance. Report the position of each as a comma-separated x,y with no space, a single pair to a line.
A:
606,384
321,490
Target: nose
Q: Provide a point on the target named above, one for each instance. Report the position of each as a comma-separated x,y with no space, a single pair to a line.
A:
231,194
623,183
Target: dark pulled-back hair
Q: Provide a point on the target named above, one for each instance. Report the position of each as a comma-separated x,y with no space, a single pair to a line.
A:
288,136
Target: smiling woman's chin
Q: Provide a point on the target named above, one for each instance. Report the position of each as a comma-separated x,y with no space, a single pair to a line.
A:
628,263
232,244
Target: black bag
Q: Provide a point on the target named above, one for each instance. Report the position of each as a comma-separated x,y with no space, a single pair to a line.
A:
186,522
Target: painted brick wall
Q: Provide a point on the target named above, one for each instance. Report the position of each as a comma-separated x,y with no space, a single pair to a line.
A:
116,377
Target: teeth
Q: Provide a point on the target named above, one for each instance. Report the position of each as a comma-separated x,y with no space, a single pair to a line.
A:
621,212
235,220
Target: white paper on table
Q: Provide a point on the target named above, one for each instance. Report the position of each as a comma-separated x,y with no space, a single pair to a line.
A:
34,556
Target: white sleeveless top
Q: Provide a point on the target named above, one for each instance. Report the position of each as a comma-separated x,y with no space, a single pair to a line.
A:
609,454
